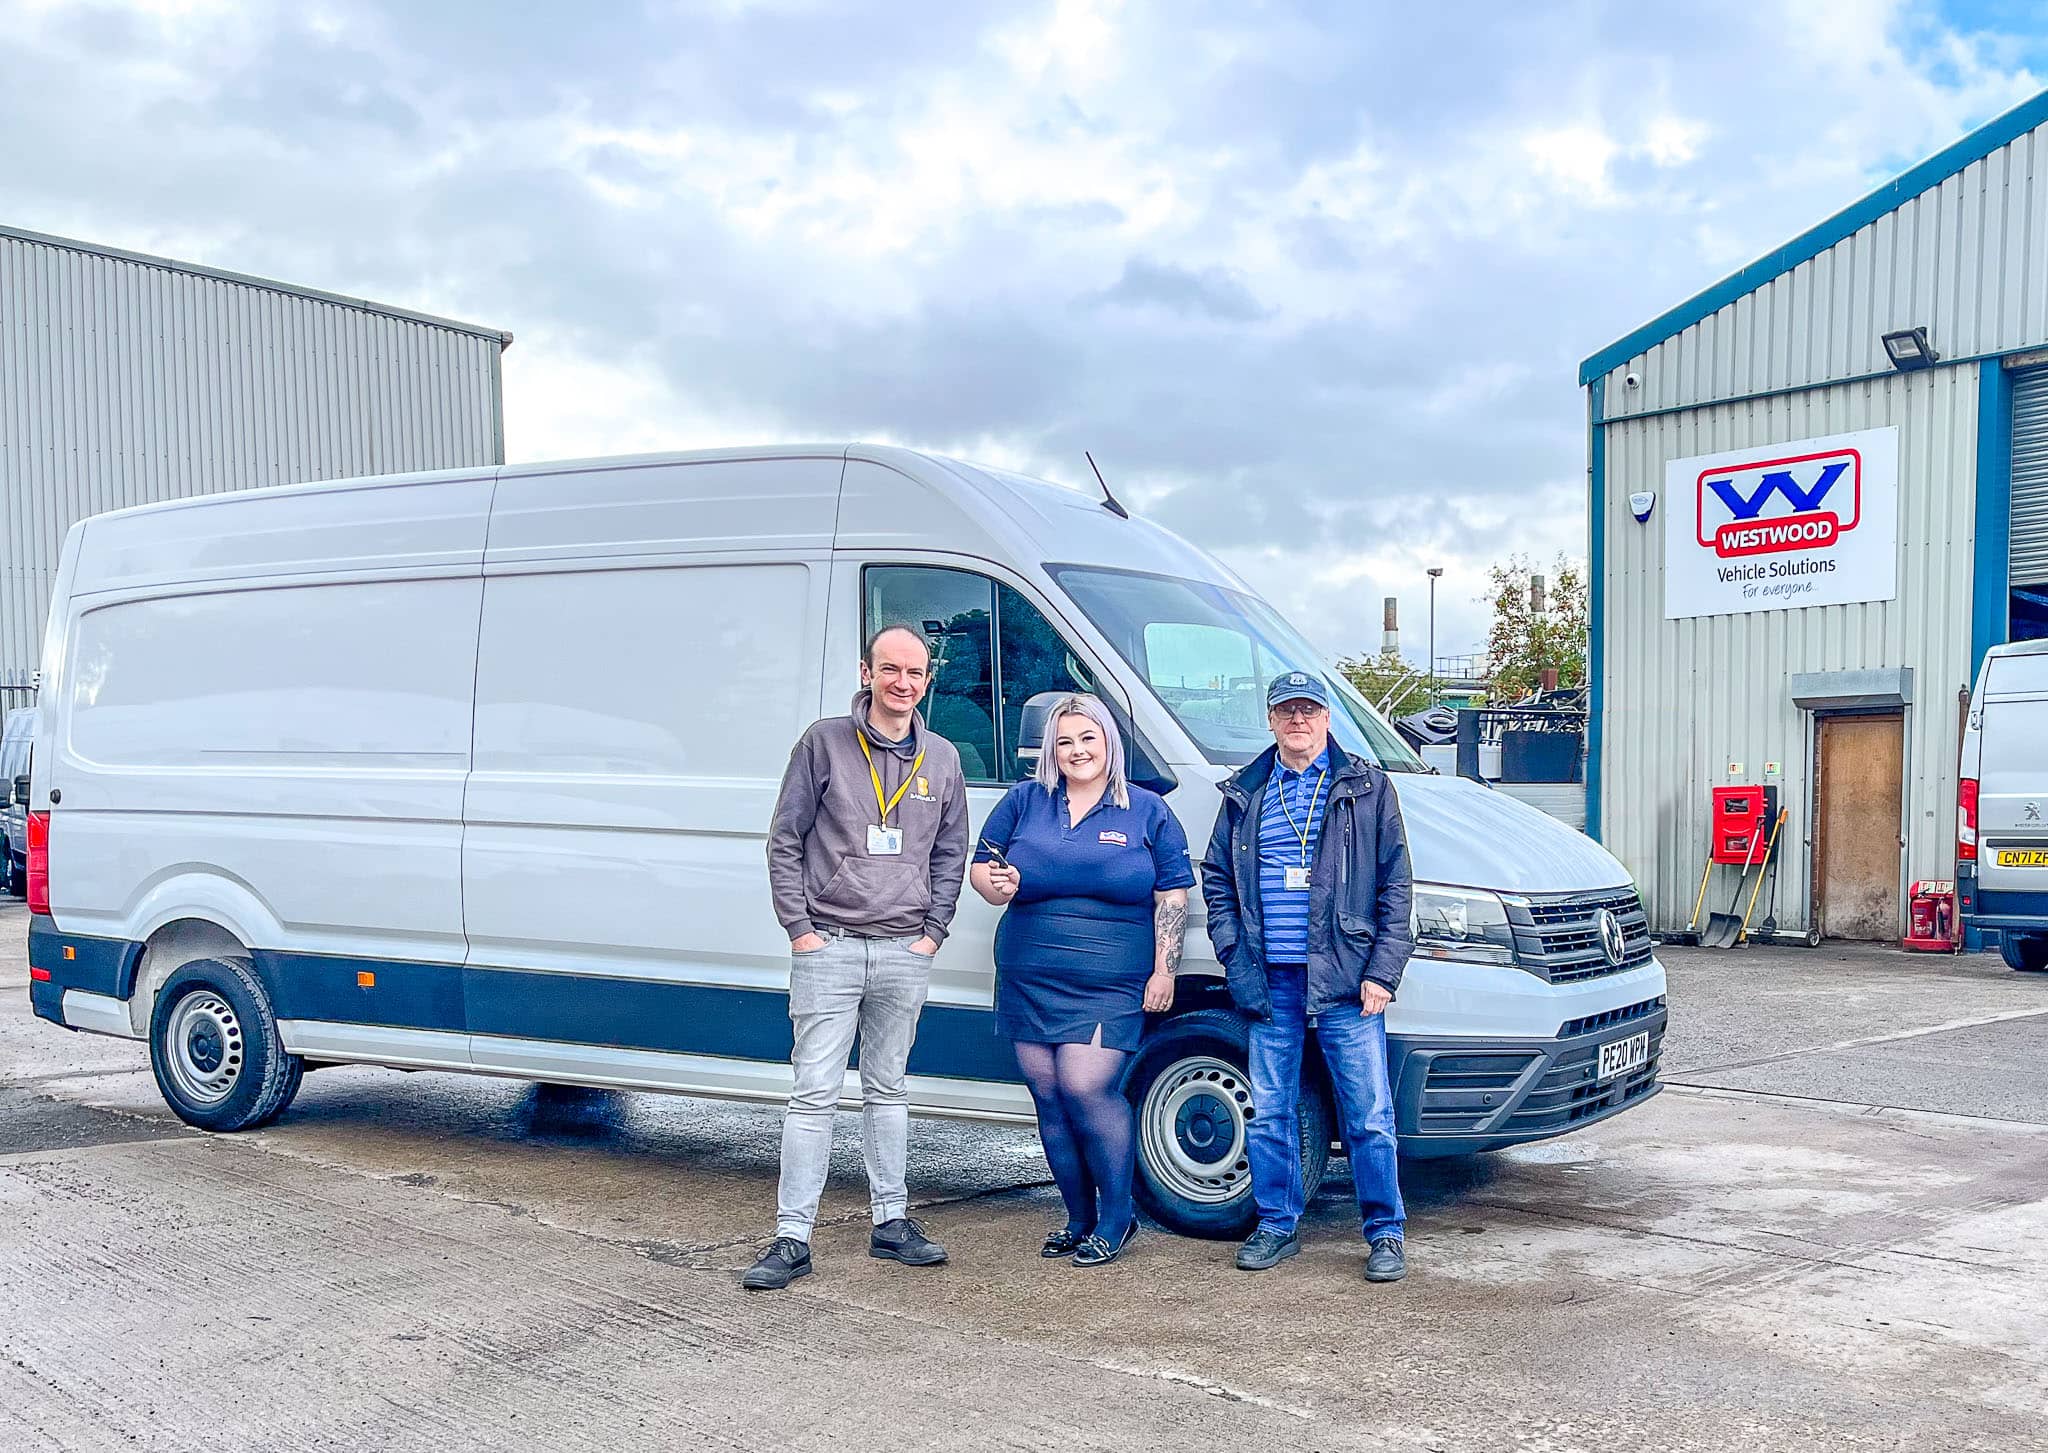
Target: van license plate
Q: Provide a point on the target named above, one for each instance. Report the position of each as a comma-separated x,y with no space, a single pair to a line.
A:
1624,1055
2023,857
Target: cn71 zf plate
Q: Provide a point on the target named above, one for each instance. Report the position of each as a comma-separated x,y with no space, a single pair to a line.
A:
2023,857
1624,1055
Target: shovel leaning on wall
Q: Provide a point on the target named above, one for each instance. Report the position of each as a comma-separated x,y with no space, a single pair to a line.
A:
1723,930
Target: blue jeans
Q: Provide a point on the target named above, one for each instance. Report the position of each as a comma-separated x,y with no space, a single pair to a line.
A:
1355,1050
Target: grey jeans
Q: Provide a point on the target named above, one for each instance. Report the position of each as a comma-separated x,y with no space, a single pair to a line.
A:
872,989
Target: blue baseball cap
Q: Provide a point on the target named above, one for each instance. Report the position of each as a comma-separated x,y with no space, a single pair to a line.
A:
1297,686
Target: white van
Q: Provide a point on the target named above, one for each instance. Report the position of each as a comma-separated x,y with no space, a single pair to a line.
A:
472,771
15,739
2002,812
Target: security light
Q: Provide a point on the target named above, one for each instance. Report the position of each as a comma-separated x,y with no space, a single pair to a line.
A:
1910,350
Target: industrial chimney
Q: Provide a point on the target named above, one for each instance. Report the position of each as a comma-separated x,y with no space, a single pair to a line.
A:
1390,639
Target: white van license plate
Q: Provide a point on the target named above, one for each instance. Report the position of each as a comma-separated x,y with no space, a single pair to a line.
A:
2022,858
1624,1055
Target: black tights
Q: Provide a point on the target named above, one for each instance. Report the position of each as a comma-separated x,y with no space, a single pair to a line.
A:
1086,1126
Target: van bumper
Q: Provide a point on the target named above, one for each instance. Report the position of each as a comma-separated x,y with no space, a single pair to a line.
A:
61,963
1460,1096
1998,909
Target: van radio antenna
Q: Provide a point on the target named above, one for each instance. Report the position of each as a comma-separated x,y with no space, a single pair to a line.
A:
1109,501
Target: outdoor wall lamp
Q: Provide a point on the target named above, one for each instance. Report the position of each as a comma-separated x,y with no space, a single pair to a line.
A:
1910,350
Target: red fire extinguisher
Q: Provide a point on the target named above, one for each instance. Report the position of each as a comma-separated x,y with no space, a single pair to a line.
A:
1931,917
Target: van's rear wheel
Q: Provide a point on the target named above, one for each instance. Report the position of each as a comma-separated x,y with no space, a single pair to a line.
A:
214,1046
2027,952
1193,1097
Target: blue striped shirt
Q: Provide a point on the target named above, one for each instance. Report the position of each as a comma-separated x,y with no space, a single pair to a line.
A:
1283,911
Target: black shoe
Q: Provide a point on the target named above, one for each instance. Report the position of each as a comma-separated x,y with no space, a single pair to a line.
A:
1096,1250
904,1240
1386,1262
783,1262
1062,1242
1265,1249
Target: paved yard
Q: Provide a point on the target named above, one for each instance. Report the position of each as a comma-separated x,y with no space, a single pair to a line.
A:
1830,1232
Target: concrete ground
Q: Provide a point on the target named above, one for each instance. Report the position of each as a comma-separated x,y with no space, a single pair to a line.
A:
1830,1232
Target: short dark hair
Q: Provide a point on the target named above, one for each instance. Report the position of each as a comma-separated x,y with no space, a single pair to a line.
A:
867,652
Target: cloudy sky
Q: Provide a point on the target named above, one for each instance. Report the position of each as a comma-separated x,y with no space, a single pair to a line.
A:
1311,279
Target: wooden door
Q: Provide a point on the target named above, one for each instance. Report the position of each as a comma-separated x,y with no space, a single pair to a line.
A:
1862,761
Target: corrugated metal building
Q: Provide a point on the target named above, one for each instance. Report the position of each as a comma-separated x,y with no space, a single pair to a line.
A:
126,379
1780,433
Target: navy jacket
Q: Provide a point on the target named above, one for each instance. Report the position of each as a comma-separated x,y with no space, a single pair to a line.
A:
1360,887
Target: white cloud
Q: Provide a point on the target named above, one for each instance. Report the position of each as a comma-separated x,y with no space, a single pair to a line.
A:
1313,283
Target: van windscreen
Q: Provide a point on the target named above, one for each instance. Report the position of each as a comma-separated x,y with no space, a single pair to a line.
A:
1209,653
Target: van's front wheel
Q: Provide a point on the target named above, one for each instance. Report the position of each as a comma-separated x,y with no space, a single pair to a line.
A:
214,1047
1193,1096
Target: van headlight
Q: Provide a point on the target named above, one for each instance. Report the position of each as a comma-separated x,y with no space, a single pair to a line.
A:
1468,924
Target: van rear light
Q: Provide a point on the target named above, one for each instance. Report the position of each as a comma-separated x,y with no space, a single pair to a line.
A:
39,862
1966,820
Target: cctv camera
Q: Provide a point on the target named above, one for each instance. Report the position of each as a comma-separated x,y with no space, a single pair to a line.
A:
1630,380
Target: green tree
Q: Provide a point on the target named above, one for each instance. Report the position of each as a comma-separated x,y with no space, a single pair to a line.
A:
1387,677
1524,641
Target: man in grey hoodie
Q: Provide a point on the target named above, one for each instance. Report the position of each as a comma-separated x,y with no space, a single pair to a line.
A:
866,855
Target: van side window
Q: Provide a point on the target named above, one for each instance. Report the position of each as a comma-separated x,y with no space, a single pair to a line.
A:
1034,659
955,609
977,695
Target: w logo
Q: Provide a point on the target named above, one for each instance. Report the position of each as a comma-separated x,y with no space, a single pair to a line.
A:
1780,504
1780,482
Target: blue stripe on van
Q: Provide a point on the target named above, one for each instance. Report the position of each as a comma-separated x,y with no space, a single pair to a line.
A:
708,1019
704,1019
403,995
96,965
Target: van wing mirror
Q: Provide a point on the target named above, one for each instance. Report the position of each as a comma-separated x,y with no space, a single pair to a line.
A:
1031,723
21,790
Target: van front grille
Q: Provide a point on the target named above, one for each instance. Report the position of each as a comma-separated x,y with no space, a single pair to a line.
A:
1558,935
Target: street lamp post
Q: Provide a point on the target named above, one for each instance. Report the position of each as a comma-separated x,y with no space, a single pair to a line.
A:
1435,572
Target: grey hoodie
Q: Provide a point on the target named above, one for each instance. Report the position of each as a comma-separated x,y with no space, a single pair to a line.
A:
819,868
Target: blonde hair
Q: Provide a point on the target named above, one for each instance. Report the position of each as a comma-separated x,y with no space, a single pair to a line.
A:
1082,704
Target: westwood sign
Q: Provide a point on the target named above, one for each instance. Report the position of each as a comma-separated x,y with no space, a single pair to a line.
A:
1812,522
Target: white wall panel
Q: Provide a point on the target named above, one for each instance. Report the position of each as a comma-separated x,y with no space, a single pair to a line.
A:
125,380
1684,698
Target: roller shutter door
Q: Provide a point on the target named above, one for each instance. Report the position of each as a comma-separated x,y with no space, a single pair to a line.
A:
2030,478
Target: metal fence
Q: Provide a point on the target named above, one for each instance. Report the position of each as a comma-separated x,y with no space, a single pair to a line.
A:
17,688
1536,743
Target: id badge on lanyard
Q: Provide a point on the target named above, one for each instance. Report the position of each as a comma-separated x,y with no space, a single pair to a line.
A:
885,841
1295,879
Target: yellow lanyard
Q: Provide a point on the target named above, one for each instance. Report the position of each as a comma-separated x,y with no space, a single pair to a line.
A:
1288,812
874,775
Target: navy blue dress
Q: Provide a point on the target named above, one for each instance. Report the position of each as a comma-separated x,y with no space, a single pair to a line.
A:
1075,946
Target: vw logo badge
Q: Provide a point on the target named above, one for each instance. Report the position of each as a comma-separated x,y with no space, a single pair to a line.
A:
1611,942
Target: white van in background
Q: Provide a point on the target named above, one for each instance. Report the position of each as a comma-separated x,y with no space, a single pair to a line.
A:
2002,814
16,736
472,771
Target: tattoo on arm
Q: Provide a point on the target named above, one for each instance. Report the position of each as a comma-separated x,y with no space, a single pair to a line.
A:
1170,923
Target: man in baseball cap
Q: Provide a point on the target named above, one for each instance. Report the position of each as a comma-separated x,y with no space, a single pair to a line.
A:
1307,887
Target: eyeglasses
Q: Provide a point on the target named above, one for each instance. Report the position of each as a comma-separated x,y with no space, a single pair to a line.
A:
1305,712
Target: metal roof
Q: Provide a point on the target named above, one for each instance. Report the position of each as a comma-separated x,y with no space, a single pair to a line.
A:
499,335
1811,243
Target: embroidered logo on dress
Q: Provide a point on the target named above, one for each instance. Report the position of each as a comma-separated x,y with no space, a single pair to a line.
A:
1114,839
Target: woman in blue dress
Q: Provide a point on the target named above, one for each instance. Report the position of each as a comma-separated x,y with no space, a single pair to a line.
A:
1094,873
